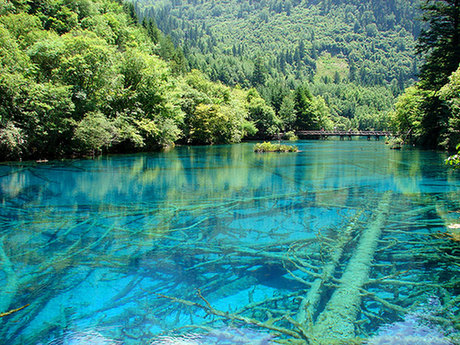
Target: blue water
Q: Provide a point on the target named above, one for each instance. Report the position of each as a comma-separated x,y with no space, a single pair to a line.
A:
92,248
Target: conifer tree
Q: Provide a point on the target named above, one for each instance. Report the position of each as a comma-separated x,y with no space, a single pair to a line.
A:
440,43
259,76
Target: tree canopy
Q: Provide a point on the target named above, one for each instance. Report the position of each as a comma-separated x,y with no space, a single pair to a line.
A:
83,77
430,109
440,42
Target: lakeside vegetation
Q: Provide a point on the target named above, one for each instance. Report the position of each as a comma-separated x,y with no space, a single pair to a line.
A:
430,110
88,77
82,77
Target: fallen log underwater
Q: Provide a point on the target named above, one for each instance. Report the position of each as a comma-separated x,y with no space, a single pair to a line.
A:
330,308
311,301
337,321
334,271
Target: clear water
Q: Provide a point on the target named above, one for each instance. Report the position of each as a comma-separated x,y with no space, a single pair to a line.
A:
92,247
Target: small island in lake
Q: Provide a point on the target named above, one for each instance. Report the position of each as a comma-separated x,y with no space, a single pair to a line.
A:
269,147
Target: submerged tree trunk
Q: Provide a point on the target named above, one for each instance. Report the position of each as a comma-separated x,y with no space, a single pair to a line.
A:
310,302
336,323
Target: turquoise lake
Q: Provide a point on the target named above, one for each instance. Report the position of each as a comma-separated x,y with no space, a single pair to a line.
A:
344,241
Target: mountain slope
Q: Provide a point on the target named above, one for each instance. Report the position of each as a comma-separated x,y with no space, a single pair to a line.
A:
334,46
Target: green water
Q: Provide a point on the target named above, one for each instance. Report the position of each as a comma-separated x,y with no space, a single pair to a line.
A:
92,247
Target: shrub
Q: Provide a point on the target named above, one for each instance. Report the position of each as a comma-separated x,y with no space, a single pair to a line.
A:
269,147
291,136
12,141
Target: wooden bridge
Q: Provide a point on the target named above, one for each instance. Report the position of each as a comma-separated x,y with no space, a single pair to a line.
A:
321,134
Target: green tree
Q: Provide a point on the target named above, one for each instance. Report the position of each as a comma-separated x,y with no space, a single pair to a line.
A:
12,58
440,43
322,114
431,114
133,68
407,117
311,112
303,109
214,124
24,27
178,62
12,141
60,18
40,111
86,63
214,113
155,96
94,132
259,75
337,78
450,93
287,113
46,54
263,117
152,30
166,48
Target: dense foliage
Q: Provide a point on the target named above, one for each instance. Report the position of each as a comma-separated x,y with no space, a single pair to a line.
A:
82,77
429,112
356,55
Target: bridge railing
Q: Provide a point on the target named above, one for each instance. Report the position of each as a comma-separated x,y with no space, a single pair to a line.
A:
343,133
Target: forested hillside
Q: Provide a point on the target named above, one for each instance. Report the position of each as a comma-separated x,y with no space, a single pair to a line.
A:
429,111
83,77
357,55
